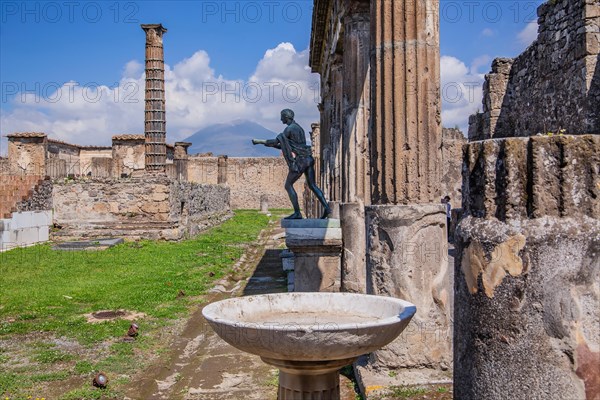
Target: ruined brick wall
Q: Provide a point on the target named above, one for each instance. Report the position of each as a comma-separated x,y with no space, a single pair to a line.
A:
452,144
248,178
554,84
153,208
198,206
251,178
14,189
39,198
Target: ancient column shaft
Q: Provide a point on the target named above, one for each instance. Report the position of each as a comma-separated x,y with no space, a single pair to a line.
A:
356,86
336,129
155,128
405,101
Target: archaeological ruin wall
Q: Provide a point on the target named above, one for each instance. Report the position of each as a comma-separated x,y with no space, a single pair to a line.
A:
248,178
151,207
554,85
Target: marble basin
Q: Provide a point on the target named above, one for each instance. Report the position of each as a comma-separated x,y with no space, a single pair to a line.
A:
309,326
309,336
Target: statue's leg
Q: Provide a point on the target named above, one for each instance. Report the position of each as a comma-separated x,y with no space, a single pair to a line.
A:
289,188
310,179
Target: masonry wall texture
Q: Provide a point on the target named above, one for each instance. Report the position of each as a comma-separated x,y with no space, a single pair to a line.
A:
14,189
554,84
27,153
527,271
4,166
248,179
154,208
38,199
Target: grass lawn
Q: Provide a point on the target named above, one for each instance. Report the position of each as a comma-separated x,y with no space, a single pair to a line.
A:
45,340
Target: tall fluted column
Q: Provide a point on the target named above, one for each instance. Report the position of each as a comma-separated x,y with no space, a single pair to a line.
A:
337,80
356,87
155,128
405,101
406,241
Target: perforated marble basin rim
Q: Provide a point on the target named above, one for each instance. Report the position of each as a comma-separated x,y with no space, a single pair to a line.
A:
309,326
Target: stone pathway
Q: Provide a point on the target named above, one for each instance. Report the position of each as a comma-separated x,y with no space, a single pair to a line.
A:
203,367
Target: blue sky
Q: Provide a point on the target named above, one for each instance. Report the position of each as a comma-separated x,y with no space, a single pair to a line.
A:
96,48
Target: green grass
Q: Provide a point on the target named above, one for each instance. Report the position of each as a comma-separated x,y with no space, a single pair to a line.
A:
404,392
52,356
47,291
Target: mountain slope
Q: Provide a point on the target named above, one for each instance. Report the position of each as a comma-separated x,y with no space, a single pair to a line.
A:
233,139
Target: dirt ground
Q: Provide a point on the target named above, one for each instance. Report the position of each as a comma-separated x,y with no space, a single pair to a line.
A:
201,366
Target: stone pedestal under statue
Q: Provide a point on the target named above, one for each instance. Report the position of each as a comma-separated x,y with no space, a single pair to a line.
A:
317,248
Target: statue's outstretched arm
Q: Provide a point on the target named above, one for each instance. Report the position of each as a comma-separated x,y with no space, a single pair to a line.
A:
269,143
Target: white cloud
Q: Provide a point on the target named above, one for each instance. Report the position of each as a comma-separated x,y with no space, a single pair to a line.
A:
529,34
196,96
461,90
488,32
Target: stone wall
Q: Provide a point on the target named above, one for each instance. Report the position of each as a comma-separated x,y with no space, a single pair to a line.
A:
452,150
39,199
128,154
27,153
14,189
248,179
63,159
4,166
554,84
96,161
527,271
203,169
154,208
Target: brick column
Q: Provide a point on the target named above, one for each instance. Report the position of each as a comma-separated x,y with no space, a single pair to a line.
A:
155,128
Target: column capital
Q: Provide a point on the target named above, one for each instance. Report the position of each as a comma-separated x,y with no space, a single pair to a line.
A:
153,32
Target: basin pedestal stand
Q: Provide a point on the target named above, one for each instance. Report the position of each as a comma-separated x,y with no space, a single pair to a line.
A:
309,380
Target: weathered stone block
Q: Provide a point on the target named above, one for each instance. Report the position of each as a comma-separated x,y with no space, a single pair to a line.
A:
526,318
407,257
354,264
317,264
